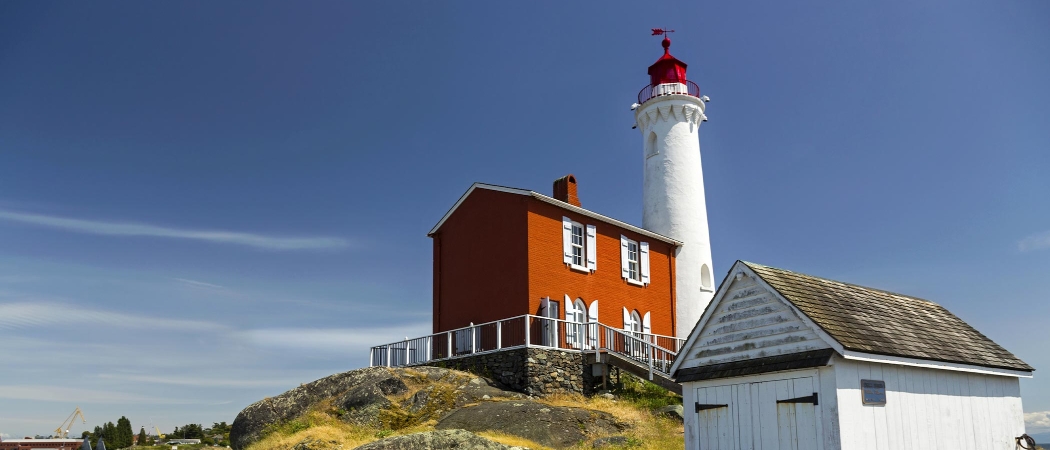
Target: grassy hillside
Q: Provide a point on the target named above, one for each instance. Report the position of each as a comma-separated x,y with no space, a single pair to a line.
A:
322,426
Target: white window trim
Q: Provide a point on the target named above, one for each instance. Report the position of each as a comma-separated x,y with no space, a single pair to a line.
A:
586,249
627,262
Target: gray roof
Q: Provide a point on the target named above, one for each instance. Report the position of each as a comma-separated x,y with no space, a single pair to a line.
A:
878,322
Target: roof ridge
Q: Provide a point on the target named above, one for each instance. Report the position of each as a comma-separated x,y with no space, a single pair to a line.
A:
911,297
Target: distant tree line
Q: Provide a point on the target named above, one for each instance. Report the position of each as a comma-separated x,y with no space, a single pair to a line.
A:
120,435
115,436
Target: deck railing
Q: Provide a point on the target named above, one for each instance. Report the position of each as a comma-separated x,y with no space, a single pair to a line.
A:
657,352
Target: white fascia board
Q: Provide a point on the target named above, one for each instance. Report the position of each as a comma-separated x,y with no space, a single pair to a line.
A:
555,202
606,219
739,268
491,187
928,364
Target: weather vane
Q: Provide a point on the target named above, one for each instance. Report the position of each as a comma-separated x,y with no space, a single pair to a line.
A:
661,31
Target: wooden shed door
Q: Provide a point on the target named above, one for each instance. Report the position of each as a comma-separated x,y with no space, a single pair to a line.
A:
771,415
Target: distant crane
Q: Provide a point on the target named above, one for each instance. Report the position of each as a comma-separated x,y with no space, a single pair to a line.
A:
63,430
159,435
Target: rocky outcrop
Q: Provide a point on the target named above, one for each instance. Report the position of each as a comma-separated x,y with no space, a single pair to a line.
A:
376,396
436,440
553,426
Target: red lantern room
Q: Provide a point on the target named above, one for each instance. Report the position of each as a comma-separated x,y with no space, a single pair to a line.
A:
667,75
667,69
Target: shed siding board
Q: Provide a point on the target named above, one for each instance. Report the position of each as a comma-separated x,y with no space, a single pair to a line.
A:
753,419
928,408
750,322
829,407
689,421
548,276
480,261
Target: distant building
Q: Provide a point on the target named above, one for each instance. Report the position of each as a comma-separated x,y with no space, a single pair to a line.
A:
27,444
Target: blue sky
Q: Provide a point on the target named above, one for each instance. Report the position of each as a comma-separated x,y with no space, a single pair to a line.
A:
203,204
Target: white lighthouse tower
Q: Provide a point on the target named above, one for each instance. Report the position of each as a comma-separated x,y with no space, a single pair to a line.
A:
669,114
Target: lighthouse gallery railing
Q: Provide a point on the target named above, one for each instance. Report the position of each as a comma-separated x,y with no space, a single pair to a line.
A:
657,352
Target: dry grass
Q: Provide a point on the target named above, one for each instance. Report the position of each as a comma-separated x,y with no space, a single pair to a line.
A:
315,425
645,430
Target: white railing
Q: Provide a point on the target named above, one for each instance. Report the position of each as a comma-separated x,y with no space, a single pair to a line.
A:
657,352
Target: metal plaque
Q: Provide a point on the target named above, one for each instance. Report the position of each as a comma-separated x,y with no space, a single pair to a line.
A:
874,392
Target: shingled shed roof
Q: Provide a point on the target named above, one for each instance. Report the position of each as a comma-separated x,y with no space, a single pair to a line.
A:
878,322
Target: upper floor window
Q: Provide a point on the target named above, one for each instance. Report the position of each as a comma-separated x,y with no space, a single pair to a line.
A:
579,244
633,271
634,261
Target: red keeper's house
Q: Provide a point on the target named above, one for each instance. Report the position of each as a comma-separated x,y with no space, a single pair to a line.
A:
502,252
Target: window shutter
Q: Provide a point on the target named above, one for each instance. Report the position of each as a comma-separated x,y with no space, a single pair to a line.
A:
643,260
566,240
592,247
592,330
626,319
625,272
647,326
544,306
570,307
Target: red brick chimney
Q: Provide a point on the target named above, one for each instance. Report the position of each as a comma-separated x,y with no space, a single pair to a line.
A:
565,190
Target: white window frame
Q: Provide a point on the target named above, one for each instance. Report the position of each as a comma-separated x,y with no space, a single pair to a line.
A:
575,318
634,266
640,263
581,247
579,244
636,277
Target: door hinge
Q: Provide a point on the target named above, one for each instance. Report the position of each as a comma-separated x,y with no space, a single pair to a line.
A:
703,406
807,399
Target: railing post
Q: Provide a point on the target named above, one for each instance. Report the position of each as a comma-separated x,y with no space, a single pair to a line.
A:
650,358
388,355
499,335
371,356
527,330
408,346
473,338
449,342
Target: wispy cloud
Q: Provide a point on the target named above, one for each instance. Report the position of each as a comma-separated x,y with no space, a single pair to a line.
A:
330,339
1039,241
38,314
45,393
239,382
198,283
138,229
5,436
1037,422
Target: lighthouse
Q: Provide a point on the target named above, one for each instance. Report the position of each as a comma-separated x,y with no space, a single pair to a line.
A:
668,114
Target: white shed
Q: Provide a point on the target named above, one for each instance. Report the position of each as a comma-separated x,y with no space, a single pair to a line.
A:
781,360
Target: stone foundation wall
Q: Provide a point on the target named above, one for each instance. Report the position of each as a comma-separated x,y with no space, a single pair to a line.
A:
534,371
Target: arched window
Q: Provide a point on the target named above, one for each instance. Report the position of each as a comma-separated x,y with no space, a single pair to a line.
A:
575,317
636,322
705,277
650,145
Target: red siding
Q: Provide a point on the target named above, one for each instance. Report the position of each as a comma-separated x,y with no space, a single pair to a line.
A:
550,277
480,261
